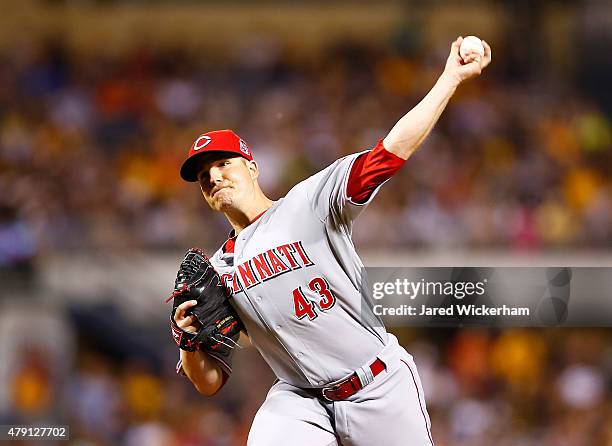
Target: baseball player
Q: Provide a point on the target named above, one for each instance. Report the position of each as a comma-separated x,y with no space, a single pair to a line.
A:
295,281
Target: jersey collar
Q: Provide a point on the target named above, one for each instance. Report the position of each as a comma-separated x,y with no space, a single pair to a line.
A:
229,244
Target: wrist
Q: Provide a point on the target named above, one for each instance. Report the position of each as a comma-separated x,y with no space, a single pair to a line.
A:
188,356
449,80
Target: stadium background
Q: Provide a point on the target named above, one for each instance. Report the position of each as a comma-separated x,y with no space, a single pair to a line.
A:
100,100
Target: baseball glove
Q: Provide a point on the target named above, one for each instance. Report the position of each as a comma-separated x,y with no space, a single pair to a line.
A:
219,324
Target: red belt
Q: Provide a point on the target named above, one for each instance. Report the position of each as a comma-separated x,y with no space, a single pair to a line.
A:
349,387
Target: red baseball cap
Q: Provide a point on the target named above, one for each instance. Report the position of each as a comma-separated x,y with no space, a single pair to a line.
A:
216,141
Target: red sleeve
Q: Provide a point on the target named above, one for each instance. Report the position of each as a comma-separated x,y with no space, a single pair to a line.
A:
369,171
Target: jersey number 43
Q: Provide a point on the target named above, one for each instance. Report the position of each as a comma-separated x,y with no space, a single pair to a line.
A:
324,299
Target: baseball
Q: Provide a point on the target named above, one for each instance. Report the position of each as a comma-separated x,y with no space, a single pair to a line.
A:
471,44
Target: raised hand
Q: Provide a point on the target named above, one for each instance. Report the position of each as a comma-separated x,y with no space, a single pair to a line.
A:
460,70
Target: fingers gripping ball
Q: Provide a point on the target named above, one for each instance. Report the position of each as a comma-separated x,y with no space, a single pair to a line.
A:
218,324
471,45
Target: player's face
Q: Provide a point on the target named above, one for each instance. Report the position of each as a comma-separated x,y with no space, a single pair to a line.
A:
227,183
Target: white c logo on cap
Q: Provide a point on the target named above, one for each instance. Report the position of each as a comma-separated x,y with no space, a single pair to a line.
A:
201,142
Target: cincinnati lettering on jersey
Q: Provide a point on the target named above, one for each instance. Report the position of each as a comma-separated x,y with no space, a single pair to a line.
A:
267,265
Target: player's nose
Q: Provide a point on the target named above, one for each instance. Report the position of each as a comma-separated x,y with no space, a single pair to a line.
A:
215,176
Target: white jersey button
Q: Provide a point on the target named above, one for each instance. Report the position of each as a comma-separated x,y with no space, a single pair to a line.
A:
300,354
258,299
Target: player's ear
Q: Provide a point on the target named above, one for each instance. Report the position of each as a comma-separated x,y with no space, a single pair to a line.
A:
253,169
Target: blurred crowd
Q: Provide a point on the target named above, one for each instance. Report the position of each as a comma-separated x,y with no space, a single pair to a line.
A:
515,387
90,146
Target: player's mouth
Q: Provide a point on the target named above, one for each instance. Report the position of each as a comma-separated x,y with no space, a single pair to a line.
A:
217,189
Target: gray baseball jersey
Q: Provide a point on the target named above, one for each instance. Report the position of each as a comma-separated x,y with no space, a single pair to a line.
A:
296,282
296,278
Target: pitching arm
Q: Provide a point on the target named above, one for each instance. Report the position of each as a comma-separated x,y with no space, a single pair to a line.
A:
412,129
